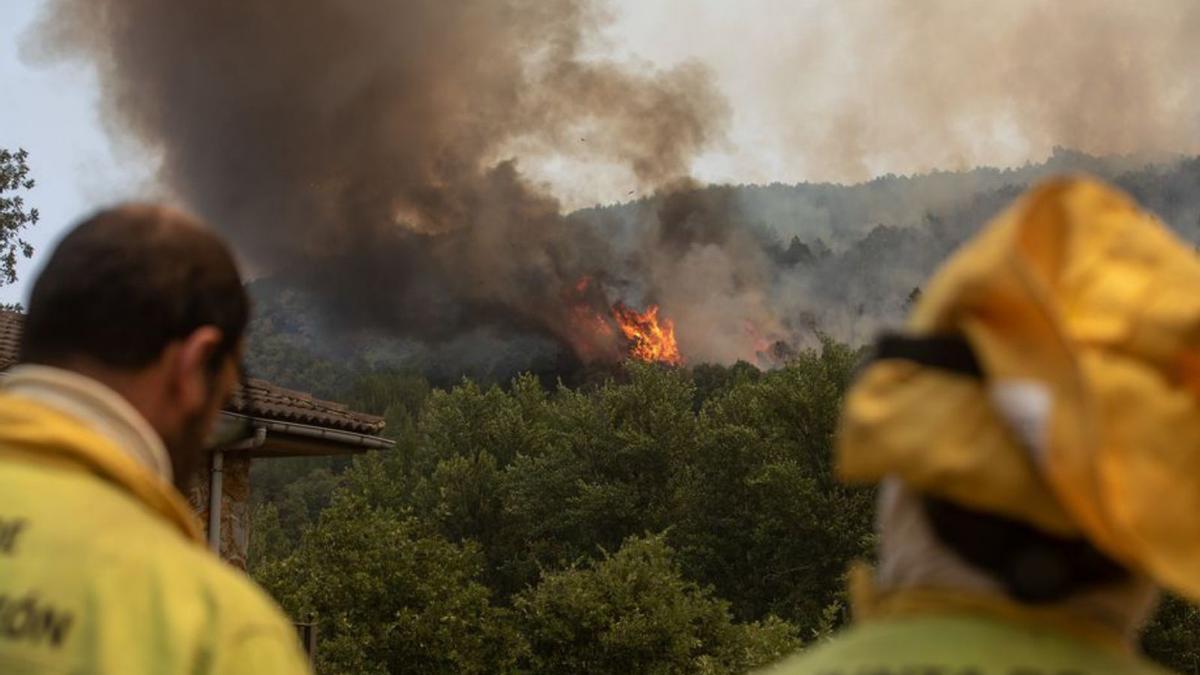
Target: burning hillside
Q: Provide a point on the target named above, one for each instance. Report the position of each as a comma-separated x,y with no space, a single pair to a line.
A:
380,154
368,151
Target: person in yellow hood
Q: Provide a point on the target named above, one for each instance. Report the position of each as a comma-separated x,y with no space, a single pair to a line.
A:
1036,436
130,347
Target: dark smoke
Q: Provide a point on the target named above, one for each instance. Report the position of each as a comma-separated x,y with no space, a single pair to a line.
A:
361,147
378,153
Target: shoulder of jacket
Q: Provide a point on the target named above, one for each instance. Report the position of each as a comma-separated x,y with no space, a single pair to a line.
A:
821,658
254,633
862,648
232,590
149,552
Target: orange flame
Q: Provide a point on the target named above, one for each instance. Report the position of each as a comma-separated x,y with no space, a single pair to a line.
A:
588,331
650,339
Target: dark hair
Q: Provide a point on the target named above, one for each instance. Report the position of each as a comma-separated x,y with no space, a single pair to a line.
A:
128,281
1033,566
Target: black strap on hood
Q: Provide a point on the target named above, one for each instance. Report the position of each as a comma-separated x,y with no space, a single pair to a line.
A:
946,352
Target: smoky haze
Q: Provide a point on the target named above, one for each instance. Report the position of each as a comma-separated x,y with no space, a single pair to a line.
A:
874,87
384,154
949,85
845,90
359,146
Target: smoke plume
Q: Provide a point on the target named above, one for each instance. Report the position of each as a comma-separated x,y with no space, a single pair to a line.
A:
381,153
847,90
360,146
945,82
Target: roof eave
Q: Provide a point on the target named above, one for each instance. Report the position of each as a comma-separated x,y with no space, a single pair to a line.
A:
289,439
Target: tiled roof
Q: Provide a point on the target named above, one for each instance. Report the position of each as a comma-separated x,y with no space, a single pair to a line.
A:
256,399
10,337
265,400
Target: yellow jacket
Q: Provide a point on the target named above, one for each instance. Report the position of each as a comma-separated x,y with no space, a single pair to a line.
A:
102,569
951,631
1083,313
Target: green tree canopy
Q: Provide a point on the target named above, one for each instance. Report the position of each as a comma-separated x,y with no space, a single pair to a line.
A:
15,215
514,495
484,541
391,597
634,612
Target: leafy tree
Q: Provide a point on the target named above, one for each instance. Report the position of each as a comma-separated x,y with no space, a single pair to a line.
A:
302,502
759,513
268,542
712,380
15,216
1173,636
278,359
539,484
605,471
466,440
390,597
633,612
398,396
378,392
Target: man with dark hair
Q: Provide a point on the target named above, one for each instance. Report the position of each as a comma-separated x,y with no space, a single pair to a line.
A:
130,348
1036,437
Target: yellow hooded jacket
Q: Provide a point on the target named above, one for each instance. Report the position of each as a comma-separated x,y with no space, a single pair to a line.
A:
102,569
1084,313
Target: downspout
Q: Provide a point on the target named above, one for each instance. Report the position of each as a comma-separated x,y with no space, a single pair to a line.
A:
216,486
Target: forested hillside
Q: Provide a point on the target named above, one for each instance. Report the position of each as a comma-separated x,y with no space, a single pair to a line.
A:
669,520
830,259
674,521
625,518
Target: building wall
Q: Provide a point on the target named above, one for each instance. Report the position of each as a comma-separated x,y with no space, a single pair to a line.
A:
235,507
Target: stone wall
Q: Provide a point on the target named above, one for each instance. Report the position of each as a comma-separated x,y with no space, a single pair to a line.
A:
235,507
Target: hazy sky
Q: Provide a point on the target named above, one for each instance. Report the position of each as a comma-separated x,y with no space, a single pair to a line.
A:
819,90
51,114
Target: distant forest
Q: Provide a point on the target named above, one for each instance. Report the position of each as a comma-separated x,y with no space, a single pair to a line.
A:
668,520
540,516
845,261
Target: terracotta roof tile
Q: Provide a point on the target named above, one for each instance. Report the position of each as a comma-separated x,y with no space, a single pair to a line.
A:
10,337
263,399
256,398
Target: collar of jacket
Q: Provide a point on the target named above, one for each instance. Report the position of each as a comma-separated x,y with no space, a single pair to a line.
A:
38,433
95,404
869,603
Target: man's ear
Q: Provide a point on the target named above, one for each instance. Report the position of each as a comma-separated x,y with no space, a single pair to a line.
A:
192,372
